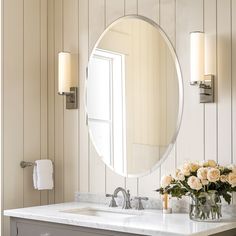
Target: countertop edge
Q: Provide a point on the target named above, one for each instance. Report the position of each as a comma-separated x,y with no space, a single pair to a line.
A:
123,229
17,213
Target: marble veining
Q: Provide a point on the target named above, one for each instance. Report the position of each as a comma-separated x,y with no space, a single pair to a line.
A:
147,222
178,205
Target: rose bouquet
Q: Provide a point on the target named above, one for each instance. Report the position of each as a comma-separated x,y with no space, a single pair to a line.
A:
205,183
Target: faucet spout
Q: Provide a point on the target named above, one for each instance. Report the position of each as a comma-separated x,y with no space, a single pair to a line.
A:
126,198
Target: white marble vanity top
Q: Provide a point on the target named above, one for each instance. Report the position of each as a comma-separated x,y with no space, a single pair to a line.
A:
147,222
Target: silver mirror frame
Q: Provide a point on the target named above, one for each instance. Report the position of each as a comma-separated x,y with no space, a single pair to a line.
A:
181,94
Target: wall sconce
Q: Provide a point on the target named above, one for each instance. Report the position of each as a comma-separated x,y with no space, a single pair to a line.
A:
65,80
197,70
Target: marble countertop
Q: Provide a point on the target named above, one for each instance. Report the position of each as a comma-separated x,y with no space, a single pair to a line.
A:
146,222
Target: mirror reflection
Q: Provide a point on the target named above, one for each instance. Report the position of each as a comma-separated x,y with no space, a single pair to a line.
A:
133,96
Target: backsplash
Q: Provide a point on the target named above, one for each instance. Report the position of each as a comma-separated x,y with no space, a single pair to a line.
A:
177,205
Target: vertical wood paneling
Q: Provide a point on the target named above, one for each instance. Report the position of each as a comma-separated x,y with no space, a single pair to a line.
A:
149,8
167,18
12,106
132,185
25,100
131,7
210,68
43,90
70,164
59,107
233,20
83,60
1,116
32,87
189,17
114,10
97,21
147,184
168,24
113,181
44,129
51,90
97,172
233,61
224,81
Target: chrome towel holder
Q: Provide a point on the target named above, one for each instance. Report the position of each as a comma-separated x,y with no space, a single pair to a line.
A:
24,164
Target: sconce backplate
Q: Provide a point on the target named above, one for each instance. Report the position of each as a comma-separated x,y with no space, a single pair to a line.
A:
206,89
72,98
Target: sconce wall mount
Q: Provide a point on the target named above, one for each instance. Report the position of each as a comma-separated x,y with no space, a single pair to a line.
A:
71,98
206,89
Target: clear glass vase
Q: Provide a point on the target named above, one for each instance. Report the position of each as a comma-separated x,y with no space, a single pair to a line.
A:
205,207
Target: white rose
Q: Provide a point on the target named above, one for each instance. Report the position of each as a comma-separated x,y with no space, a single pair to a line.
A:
166,181
233,168
186,169
212,163
204,181
177,171
204,163
213,174
194,183
232,179
194,166
209,163
223,178
180,176
202,173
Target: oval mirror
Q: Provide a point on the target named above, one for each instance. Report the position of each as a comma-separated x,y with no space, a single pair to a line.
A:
134,96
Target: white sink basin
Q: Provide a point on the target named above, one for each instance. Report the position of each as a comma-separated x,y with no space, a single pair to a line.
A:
105,213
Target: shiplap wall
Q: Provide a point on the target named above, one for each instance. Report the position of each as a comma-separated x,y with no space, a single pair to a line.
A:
35,123
207,131
24,127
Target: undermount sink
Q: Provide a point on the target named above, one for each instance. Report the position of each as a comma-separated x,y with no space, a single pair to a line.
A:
114,213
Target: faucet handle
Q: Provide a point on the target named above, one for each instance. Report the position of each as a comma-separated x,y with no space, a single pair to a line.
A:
128,200
113,201
139,205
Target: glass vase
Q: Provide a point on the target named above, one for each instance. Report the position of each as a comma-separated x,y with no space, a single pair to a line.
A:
205,207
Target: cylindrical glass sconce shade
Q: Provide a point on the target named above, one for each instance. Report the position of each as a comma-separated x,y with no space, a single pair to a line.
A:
64,72
197,60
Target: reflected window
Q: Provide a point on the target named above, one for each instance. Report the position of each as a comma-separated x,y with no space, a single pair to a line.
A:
107,117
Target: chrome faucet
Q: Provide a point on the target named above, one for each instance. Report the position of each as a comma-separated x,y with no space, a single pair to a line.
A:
126,198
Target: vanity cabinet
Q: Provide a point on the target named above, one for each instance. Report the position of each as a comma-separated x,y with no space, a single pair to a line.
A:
24,227
21,227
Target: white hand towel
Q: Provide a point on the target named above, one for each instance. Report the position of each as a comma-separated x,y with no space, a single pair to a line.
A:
43,175
35,177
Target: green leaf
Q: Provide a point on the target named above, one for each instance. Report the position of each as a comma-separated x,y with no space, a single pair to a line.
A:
227,197
225,171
